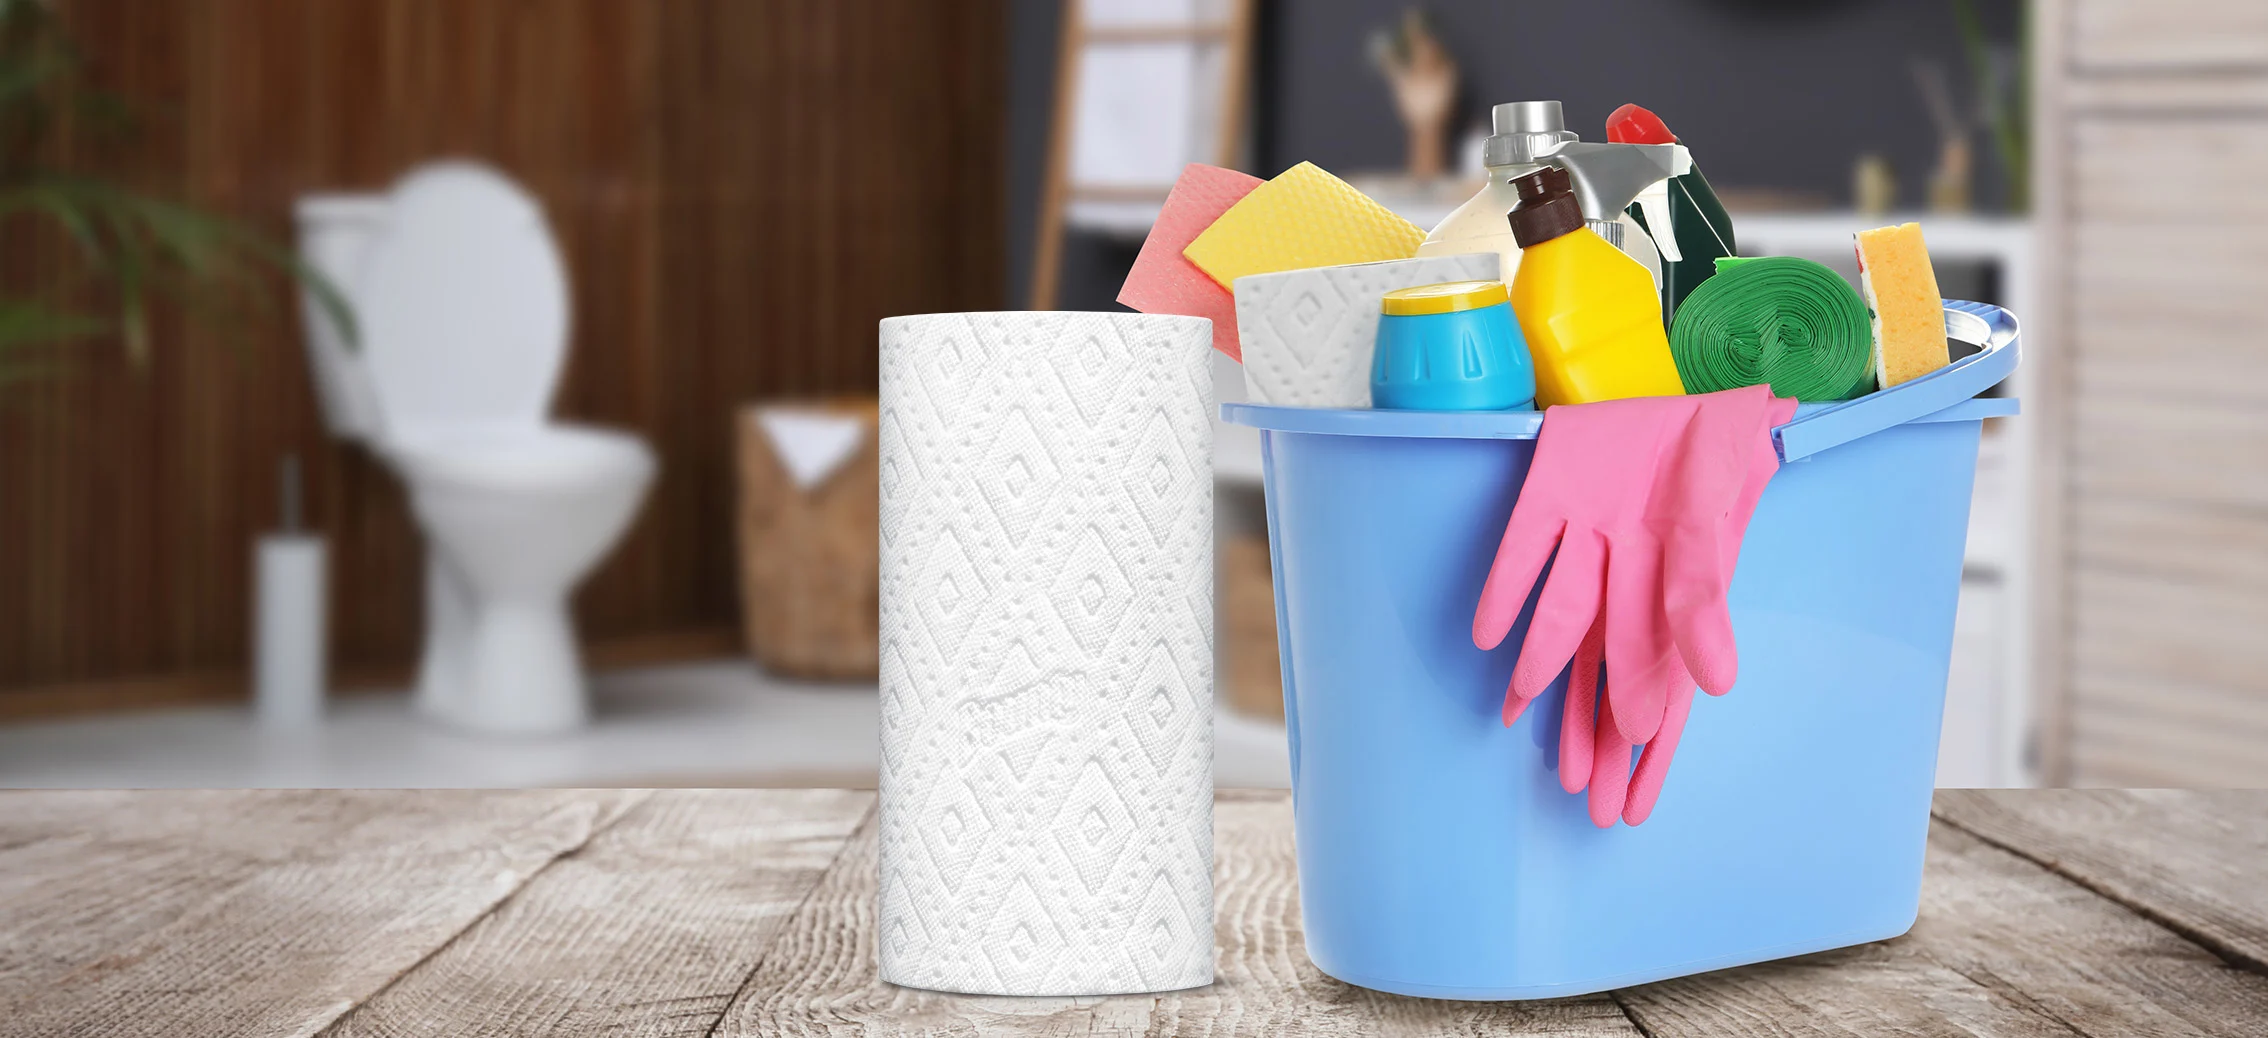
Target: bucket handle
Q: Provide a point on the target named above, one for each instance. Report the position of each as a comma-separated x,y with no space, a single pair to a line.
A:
1980,324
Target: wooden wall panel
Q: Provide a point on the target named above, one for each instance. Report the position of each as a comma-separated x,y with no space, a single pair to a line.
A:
2154,118
2180,36
741,189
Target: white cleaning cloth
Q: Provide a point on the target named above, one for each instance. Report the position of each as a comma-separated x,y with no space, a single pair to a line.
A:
809,444
1047,653
1308,335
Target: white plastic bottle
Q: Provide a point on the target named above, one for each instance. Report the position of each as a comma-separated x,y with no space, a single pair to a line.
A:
1526,133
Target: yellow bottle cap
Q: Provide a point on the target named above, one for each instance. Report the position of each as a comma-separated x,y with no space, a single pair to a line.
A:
1446,298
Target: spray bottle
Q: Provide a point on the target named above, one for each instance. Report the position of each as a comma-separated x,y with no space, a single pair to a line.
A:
1590,317
1698,230
1531,134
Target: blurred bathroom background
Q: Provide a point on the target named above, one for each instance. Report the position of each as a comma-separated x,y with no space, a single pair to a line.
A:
736,192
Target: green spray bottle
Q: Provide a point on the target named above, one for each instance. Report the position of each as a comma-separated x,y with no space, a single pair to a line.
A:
1699,229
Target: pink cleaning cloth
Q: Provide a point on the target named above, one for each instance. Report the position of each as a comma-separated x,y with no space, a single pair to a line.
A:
1165,282
1645,502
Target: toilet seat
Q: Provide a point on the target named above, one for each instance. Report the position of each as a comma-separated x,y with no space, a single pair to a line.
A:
542,460
463,302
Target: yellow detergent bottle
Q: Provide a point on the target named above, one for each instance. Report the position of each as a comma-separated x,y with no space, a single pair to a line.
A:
1589,312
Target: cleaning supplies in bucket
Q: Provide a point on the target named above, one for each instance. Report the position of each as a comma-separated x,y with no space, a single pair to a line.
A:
1792,323
1901,290
1590,315
1640,506
1688,222
1451,347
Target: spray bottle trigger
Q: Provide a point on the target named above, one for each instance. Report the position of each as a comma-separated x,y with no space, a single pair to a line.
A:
1654,204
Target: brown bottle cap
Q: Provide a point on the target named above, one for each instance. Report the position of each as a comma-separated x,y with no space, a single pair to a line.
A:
1547,208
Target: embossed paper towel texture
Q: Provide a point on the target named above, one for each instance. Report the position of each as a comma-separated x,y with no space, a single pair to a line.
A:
1308,334
1047,652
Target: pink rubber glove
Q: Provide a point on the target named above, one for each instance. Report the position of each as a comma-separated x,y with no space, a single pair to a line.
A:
1585,758
1585,496
1647,504
1653,764
1635,496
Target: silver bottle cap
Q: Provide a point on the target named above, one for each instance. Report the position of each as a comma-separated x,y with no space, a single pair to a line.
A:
1524,132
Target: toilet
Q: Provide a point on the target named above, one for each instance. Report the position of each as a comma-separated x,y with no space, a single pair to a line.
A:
461,301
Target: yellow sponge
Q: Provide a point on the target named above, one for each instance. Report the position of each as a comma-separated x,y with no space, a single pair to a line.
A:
1901,290
1303,218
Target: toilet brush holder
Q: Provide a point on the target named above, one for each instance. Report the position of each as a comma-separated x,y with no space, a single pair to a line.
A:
1046,653
289,614
287,649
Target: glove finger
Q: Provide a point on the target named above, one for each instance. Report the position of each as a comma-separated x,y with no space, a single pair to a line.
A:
1610,767
1641,654
1514,706
1653,765
1575,724
1520,558
1700,621
1565,611
1721,487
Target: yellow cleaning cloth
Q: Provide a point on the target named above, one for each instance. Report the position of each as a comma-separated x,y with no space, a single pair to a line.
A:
1901,290
1303,218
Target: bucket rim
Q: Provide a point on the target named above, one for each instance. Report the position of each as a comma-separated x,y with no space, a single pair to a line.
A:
1500,425
1949,394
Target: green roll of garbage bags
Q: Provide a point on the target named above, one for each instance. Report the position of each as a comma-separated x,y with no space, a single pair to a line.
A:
1789,322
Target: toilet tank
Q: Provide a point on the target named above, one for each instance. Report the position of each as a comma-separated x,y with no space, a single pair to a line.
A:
334,229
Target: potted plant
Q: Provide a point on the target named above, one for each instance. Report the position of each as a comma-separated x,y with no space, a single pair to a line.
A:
127,248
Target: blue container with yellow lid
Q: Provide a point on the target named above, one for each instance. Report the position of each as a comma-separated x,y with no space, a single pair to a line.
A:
1451,347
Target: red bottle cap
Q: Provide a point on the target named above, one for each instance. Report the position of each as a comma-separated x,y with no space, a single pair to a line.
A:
1631,124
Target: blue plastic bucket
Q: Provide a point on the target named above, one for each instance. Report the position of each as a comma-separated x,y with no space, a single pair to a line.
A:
1438,855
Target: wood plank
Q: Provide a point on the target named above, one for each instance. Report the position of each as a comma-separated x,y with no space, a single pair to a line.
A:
2205,724
649,929
2193,453
2002,947
2203,168
2233,91
820,978
83,872
171,914
2179,360
2148,732
2145,257
2126,36
1889,987
2093,965
2195,862
2049,411
2189,632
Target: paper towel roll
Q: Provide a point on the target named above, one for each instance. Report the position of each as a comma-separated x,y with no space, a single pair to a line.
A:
1047,653
1307,334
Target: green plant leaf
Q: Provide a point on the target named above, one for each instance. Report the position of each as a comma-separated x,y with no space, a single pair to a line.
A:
136,248
56,202
329,298
24,324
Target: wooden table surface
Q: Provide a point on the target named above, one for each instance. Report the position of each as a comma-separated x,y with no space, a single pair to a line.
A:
751,912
